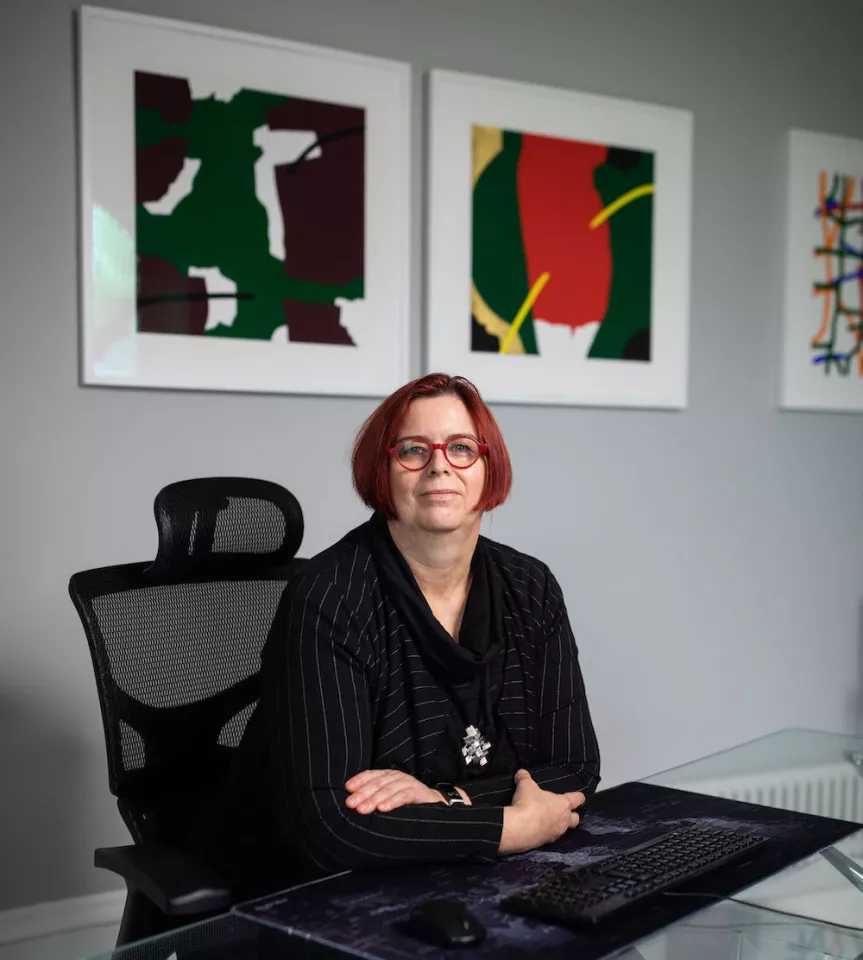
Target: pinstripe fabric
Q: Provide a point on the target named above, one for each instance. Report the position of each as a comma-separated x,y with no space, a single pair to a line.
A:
347,690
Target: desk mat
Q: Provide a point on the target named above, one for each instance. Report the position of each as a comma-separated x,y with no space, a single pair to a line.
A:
359,912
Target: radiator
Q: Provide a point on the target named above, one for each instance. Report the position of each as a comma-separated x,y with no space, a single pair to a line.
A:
832,789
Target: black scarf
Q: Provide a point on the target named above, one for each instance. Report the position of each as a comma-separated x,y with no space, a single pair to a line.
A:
470,670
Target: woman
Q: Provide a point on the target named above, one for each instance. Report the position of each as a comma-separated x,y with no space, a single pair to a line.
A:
422,696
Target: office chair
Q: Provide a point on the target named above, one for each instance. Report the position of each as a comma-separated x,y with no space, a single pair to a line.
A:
176,646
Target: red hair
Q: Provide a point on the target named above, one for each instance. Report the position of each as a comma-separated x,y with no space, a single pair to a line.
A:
370,461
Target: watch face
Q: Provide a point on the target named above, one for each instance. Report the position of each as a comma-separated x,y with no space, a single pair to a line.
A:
450,793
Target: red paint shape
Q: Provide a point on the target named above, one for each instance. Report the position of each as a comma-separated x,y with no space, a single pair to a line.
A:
323,200
323,118
557,201
169,301
169,96
309,322
157,167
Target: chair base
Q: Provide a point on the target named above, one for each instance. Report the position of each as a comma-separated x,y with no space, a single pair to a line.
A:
142,919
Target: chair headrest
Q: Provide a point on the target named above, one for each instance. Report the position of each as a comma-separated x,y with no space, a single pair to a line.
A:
225,527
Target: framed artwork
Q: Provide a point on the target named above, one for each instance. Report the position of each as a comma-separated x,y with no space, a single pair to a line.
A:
559,244
245,206
822,336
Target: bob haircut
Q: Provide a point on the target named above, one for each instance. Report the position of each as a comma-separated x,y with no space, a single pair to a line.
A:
371,461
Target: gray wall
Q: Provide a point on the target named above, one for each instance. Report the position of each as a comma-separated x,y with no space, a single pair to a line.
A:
711,559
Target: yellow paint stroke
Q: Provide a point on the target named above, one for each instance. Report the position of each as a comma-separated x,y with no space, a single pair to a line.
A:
487,144
491,322
529,301
621,201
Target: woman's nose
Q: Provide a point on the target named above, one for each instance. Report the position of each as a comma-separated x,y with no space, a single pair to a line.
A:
438,463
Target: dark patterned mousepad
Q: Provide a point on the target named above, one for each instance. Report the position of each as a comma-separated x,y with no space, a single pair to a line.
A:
362,912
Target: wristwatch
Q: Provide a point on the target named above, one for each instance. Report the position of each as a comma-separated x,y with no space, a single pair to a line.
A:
451,796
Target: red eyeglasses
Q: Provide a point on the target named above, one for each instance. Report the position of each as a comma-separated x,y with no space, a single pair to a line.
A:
414,453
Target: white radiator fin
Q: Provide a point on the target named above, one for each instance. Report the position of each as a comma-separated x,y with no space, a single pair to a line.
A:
829,790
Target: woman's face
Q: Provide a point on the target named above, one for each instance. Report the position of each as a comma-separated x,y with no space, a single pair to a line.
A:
439,497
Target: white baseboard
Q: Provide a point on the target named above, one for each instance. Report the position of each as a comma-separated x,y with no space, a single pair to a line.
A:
58,916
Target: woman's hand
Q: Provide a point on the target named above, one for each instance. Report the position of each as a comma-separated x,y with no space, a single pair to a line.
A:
536,816
386,790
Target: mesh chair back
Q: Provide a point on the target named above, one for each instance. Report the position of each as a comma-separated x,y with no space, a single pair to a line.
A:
176,643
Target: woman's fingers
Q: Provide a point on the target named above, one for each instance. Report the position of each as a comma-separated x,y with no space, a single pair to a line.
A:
408,792
373,800
573,819
364,777
396,789
369,797
400,798
576,799
370,787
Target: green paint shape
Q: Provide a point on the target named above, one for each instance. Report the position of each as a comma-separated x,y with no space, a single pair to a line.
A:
222,223
631,230
499,265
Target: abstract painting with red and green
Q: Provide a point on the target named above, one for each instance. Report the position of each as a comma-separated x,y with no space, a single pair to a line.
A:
561,247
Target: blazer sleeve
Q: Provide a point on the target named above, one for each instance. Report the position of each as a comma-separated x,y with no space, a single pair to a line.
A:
567,753
321,733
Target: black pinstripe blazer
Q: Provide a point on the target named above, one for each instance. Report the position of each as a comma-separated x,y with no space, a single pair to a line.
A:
346,689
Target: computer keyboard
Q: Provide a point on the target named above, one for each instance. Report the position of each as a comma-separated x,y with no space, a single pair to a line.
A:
587,895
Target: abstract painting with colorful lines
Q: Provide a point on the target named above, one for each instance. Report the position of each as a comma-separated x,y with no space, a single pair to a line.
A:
562,247
837,345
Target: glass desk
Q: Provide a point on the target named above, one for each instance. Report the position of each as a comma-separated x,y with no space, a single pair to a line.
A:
810,910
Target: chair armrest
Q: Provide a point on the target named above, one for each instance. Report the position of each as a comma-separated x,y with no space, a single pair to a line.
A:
177,883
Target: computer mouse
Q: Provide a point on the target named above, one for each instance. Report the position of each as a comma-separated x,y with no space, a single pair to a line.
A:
445,923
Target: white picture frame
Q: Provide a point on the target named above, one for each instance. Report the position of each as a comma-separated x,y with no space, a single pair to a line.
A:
822,345
464,107
347,314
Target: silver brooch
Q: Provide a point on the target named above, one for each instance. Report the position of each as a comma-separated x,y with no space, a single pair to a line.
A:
475,747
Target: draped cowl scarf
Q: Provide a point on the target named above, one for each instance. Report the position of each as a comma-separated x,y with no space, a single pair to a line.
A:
470,669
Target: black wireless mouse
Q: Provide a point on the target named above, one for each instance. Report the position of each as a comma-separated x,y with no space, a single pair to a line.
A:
445,923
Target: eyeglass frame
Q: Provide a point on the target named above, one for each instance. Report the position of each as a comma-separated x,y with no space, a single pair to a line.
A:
482,449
